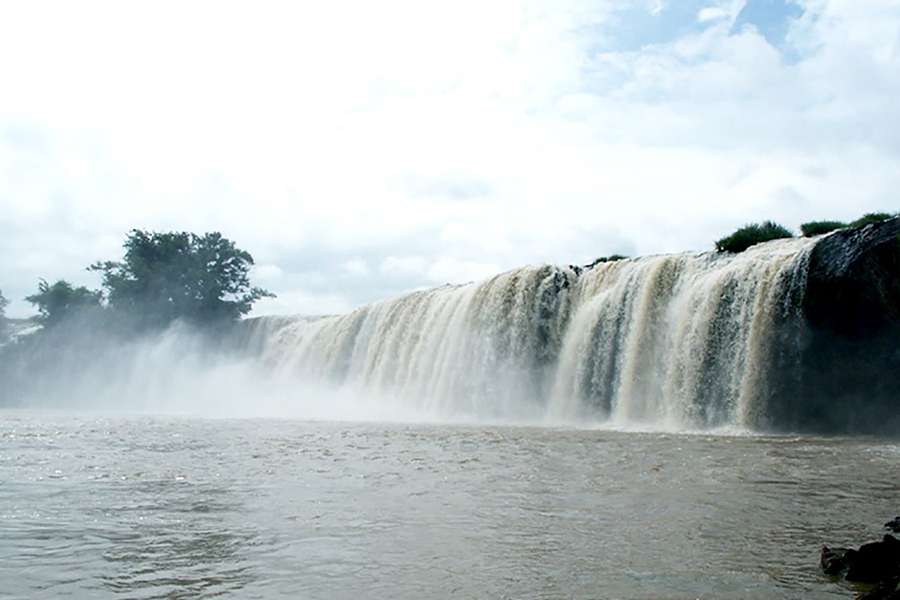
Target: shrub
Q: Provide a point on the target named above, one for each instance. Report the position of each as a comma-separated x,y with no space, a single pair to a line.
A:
870,218
750,235
819,227
606,259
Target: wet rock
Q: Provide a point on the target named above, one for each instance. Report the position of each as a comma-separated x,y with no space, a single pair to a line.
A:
848,378
836,561
888,589
871,563
893,525
875,561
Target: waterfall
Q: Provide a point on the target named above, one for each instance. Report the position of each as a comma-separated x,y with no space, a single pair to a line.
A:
683,341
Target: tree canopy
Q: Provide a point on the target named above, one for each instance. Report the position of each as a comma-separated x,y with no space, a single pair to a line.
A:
179,275
61,301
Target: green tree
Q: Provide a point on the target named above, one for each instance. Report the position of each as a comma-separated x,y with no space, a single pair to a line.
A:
179,275
61,301
753,234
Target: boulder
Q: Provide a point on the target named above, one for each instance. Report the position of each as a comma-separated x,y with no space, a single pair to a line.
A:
875,562
836,561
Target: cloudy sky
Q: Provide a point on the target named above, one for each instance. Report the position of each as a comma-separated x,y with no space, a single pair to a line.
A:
362,149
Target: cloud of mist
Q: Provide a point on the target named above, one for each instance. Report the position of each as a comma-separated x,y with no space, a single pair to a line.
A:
178,371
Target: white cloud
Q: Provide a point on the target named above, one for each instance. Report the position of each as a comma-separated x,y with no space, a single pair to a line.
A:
427,142
711,13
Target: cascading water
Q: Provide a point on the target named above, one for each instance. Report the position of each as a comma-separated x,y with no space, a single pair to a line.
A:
684,341
486,349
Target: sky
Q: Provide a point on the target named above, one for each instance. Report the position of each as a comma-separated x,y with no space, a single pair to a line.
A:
360,150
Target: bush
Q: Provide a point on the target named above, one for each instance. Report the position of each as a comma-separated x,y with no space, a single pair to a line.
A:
753,234
819,227
606,259
870,218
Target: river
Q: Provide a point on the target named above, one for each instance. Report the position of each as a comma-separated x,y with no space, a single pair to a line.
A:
99,506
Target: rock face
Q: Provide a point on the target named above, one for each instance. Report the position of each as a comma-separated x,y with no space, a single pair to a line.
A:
849,375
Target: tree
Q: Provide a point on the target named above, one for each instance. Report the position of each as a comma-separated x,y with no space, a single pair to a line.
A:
179,275
750,235
61,301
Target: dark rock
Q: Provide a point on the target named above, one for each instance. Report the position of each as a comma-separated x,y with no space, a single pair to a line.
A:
893,525
872,563
847,378
836,561
889,589
875,561
855,270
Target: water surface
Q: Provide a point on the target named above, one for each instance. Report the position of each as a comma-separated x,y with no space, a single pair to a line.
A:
178,507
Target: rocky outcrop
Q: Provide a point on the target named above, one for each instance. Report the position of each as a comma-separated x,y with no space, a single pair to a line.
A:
875,563
853,281
872,563
848,378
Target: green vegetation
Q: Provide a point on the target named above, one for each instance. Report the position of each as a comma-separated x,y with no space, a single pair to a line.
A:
62,301
750,235
819,227
606,259
163,277
202,280
870,218
178,275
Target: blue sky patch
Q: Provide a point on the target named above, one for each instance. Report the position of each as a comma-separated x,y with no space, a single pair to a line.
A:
771,18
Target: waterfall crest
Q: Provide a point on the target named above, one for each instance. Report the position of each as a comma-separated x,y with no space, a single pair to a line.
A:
682,341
